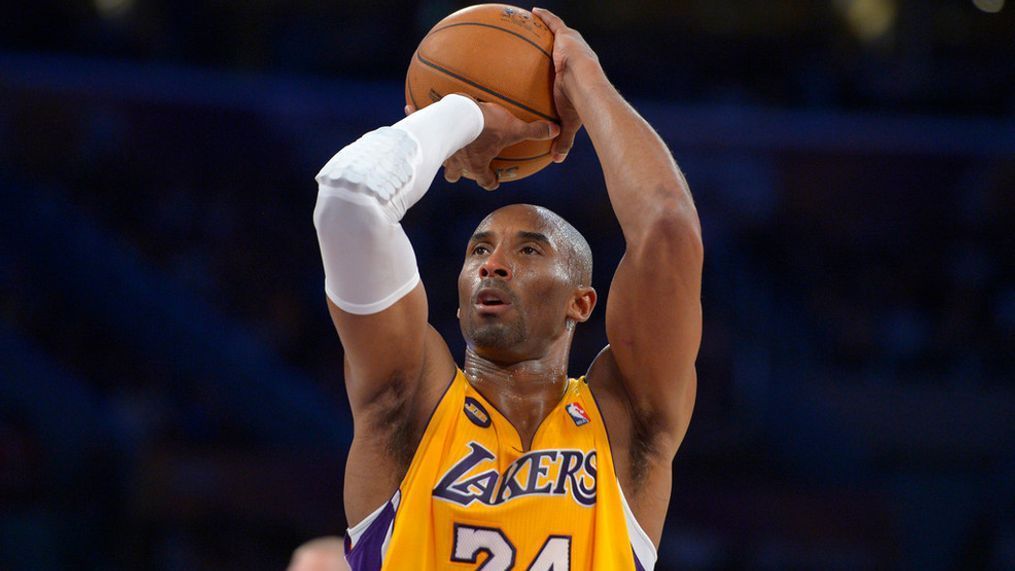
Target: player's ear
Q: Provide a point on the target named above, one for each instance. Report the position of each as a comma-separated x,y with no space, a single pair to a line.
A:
583,301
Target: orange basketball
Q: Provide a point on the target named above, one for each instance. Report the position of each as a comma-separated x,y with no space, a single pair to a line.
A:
497,53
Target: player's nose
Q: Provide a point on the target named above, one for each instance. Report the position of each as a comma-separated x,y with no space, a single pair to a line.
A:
494,266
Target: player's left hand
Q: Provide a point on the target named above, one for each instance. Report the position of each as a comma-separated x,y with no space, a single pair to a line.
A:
501,129
572,59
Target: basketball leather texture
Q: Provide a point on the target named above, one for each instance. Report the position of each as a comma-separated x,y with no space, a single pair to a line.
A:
496,53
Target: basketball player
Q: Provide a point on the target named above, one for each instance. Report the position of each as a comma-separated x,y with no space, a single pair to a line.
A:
507,463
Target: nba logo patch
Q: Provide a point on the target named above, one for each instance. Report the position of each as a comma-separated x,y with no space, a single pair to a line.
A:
476,413
578,414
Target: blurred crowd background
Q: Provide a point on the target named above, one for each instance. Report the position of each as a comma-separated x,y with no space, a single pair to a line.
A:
171,392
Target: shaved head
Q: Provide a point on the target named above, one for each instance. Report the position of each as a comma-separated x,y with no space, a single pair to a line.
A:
564,235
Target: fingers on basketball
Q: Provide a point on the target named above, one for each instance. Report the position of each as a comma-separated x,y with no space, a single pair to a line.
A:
551,20
452,171
487,180
535,131
562,146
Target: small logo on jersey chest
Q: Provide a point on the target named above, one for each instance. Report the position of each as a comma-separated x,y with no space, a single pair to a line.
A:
578,414
476,413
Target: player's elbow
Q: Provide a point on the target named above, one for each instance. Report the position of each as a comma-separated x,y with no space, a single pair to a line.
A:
329,209
337,214
325,211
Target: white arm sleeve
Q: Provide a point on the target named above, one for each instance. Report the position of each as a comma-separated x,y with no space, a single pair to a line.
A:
364,191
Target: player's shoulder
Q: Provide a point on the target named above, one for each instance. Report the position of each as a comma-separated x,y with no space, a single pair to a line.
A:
603,376
607,387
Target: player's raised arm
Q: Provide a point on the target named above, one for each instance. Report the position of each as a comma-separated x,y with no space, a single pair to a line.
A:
395,364
653,313
372,283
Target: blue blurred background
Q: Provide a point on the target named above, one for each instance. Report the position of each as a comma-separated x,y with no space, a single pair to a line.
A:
171,391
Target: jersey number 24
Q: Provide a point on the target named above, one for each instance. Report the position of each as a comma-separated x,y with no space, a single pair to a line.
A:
471,542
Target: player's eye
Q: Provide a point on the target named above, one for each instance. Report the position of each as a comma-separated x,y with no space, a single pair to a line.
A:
529,250
480,250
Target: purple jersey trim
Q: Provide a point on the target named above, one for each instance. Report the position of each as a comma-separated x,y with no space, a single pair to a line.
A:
637,564
367,554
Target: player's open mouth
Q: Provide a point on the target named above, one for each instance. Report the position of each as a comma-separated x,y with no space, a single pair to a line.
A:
492,301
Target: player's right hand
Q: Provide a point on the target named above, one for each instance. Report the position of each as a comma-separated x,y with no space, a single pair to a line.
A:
500,129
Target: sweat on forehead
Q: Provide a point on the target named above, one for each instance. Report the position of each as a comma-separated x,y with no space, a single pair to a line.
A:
537,217
561,233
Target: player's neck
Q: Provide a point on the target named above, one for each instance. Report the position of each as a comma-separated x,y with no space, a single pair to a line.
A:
524,391
528,379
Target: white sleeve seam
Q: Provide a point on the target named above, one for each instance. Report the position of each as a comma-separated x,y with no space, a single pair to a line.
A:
376,306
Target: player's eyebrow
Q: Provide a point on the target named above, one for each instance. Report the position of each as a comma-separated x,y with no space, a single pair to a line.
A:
522,235
481,236
534,237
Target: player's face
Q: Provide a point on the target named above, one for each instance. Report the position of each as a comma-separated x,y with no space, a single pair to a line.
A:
514,288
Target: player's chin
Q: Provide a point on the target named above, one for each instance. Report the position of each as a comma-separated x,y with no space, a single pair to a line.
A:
494,334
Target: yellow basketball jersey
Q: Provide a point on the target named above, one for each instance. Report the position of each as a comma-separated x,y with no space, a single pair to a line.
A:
473,499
